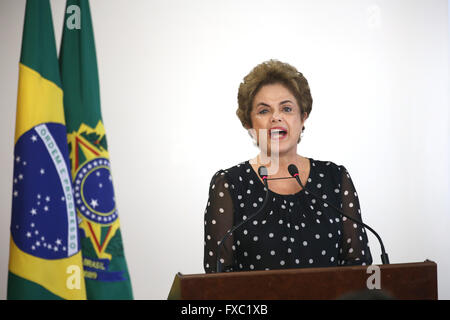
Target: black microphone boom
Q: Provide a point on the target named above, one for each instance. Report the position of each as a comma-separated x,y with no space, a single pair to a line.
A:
262,171
293,171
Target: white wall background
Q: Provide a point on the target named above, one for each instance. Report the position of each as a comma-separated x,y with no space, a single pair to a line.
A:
169,74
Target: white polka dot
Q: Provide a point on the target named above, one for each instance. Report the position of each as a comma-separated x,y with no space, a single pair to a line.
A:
297,261
225,185
221,194
252,267
221,210
350,205
345,192
317,236
272,252
241,205
323,252
239,197
245,232
282,262
213,221
258,257
255,238
211,253
305,243
270,235
311,261
319,185
255,204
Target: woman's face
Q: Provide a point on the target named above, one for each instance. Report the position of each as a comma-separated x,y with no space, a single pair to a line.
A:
276,119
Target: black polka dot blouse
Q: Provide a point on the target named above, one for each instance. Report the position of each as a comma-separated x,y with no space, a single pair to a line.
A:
293,231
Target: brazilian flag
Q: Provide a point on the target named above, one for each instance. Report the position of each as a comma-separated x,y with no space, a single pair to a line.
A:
105,267
45,259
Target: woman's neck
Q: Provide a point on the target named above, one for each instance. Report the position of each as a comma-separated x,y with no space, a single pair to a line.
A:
277,165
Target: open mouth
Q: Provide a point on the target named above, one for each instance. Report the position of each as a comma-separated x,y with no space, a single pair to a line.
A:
277,133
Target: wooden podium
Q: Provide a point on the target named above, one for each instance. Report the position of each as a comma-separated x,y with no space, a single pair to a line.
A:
400,281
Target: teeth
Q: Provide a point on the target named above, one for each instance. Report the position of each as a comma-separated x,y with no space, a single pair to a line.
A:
277,131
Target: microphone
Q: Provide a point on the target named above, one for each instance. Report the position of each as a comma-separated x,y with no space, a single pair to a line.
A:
263,173
293,171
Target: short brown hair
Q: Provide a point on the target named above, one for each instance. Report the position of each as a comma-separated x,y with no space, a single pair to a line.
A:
271,72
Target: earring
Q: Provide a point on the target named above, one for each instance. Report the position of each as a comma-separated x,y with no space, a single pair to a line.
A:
301,135
252,134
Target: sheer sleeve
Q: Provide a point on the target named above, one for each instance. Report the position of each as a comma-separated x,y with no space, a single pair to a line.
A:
219,218
354,247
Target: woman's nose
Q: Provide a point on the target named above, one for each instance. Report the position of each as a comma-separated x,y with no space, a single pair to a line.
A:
276,116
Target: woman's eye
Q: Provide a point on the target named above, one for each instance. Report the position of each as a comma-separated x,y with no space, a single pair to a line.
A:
263,111
287,109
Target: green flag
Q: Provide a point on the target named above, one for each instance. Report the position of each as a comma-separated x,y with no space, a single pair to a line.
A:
45,260
104,263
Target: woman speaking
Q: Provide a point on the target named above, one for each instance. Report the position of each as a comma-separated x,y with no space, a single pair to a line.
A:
282,226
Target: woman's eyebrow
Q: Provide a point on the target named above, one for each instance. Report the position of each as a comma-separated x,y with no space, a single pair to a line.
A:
285,101
263,104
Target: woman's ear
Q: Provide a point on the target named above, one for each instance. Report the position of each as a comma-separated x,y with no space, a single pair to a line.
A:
305,116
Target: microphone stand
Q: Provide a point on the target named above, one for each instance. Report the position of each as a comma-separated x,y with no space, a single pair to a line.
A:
263,174
384,255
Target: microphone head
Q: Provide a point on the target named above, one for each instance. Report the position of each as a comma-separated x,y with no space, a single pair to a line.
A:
292,168
263,172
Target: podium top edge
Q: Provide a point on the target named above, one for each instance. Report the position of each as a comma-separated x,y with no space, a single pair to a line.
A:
426,263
